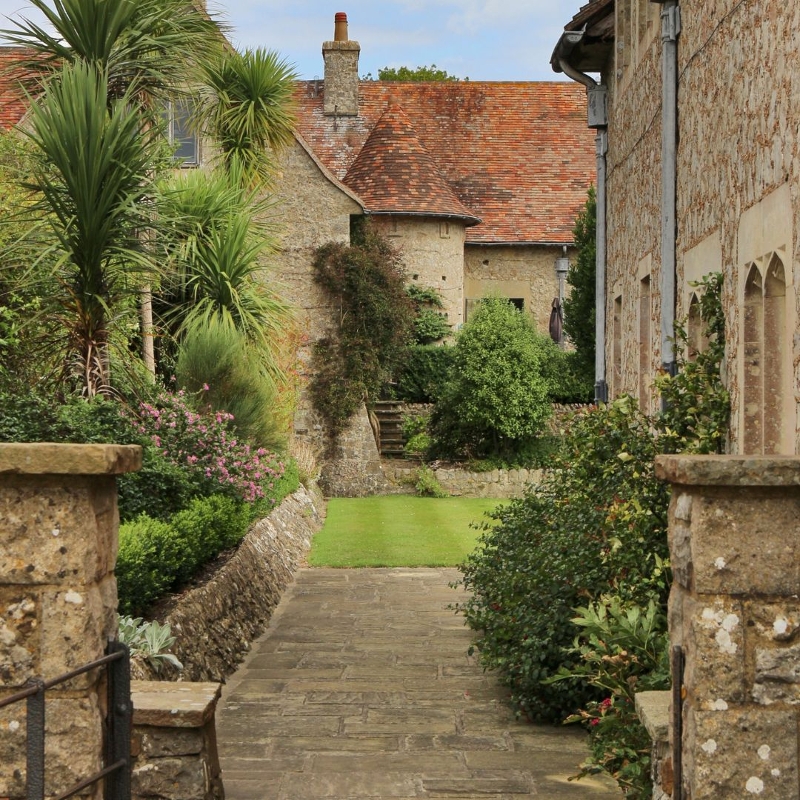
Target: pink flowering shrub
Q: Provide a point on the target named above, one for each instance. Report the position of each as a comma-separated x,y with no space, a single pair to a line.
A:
206,448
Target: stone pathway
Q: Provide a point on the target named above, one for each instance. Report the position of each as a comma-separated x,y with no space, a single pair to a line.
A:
362,688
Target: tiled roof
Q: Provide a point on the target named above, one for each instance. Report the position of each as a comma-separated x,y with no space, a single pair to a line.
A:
395,173
12,99
517,155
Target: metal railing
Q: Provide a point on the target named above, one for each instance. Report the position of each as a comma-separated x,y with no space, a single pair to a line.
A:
116,772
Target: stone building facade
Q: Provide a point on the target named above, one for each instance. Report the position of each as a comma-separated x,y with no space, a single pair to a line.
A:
737,193
457,174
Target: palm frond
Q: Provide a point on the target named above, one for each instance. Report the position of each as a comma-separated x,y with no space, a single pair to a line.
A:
149,48
249,109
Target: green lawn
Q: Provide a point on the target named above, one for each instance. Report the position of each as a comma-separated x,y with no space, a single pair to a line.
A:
398,531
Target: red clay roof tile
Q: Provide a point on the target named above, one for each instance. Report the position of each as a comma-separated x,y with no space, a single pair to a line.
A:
517,155
12,99
394,173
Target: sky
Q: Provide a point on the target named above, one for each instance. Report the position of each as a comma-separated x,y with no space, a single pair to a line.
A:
488,40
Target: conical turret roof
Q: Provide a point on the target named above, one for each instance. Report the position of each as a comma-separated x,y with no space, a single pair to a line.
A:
395,174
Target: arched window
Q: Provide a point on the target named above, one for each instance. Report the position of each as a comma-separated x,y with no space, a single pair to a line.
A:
774,360
764,358
617,344
645,344
694,328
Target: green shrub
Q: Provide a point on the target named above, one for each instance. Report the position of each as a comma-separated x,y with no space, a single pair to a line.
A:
281,487
427,485
496,398
622,649
217,365
148,562
567,381
697,404
594,525
205,528
424,374
416,436
156,556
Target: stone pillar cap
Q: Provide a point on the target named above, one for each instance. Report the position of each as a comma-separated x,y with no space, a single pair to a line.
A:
174,705
713,470
48,458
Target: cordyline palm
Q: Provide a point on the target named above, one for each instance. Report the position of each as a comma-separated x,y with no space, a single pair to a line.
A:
214,250
248,110
148,49
91,186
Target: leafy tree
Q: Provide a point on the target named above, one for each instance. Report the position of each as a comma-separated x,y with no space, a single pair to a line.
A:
420,74
579,307
496,399
374,319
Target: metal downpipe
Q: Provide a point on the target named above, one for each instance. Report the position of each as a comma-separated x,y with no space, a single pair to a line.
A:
670,30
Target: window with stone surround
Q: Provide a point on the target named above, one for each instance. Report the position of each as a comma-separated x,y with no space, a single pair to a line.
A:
182,133
765,349
636,23
616,377
645,343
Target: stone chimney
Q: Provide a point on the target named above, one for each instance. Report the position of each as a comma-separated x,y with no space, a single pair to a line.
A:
341,71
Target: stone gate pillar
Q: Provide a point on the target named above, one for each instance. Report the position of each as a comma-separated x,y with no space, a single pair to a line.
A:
58,598
734,535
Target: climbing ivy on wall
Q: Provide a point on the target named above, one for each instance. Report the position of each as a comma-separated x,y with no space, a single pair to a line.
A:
697,409
373,324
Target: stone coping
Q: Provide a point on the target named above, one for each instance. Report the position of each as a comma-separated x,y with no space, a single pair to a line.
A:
653,711
48,458
165,704
729,470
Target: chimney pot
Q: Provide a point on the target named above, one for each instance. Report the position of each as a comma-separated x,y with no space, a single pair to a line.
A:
340,27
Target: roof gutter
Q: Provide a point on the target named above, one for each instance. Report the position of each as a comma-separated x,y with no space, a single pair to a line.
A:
597,119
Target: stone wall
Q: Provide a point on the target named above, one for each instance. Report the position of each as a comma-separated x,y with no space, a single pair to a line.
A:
524,272
433,255
354,467
734,531
497,483
739,147
58,597
215,623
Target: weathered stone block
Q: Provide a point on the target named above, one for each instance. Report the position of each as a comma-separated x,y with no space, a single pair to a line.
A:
12,747
20,635
713,642
57,529
76,624
746,541
777,675
741,752
160,742
170,778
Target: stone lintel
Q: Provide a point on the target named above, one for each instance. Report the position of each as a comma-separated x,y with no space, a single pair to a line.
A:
653,711
47,458
165,704
729,470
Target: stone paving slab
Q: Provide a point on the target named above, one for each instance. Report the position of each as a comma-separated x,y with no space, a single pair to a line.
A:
362,688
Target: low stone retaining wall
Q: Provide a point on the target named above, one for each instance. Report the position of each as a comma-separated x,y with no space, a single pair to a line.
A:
174,741
498,483
214,624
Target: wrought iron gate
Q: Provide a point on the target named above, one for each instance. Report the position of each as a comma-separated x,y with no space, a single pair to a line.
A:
116,772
